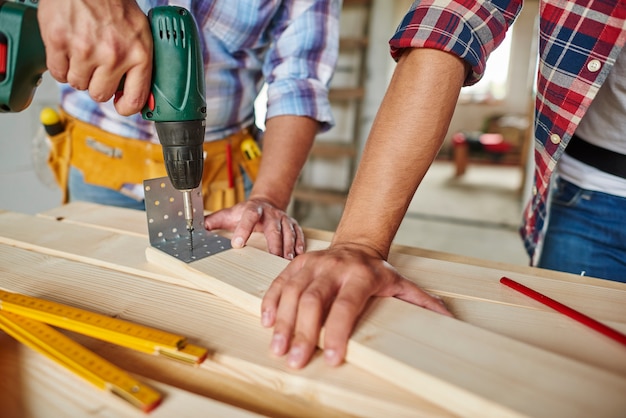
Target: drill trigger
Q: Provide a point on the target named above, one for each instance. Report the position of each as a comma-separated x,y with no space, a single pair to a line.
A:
151,102
3,56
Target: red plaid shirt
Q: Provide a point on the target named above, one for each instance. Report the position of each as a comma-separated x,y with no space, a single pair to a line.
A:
578,45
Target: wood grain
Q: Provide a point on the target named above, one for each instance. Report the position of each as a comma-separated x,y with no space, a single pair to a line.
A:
472,292
133,221
474,300
454,364
466,291
238,343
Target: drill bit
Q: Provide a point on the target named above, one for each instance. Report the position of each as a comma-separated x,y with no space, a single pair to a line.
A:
188,212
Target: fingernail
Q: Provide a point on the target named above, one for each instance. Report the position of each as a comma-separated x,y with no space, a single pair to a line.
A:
238,242
118,95
278,344
266,318
295,357
290,256
331,357
300,249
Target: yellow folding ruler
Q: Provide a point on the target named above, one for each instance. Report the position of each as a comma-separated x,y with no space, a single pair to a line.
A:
25,318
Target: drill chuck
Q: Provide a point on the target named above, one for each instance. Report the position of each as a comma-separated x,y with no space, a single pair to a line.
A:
182,151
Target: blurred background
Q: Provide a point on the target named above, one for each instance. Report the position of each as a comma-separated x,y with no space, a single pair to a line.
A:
471,200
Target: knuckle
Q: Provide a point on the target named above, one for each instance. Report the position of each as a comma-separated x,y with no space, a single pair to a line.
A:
95,96
306,339
134,102
279,281
291,287
58,74
345,305
311,297
81,49
99,96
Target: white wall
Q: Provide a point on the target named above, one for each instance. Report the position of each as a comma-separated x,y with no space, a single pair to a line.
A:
21,190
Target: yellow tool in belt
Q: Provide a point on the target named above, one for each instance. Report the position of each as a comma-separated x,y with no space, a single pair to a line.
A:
251,157
25,318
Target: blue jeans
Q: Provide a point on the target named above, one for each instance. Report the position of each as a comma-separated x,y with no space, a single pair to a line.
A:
586,233
79,190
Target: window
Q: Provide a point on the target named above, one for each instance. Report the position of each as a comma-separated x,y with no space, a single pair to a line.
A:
493,85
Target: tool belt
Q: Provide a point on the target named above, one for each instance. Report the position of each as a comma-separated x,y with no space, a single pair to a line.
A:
110,161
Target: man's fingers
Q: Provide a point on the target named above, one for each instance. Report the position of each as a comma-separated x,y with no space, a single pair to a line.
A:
300,244
273,232
250,217
286,314
341,319
413,294
136,90
289,238
104,83
80,70
283,235
312,309
269,304
58,64
215,220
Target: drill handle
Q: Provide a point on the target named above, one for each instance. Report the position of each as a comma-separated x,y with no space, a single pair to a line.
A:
178,86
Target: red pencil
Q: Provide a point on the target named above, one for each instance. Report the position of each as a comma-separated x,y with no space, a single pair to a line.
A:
229,165
557,306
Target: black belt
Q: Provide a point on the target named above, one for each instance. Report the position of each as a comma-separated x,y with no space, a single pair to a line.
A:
601,158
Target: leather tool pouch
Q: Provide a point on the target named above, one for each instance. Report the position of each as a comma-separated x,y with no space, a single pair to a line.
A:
59,158
216,189
111,161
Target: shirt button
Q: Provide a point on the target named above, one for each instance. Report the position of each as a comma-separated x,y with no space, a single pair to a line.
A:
555,139
534,190
594,65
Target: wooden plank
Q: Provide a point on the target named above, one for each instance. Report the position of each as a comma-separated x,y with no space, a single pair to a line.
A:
438,272
115,219
239,344
456,365
112,218
601,299
240,252
474,294
134,221
546,330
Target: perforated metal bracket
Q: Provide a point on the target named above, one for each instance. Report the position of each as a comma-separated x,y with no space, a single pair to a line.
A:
167,226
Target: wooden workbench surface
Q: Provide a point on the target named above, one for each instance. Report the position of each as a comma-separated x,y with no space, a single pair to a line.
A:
93,257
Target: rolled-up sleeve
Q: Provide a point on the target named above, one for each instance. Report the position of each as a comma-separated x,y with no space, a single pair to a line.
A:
469,29
299,66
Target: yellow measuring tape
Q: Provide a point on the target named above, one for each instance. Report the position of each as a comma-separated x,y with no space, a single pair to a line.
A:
25,318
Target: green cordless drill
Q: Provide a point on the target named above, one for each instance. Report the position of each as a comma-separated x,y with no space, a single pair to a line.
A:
176,103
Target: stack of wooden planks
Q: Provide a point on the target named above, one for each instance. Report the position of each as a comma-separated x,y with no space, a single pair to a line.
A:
503,355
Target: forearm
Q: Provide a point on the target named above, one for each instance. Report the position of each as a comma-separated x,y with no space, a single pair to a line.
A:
286,145
406,135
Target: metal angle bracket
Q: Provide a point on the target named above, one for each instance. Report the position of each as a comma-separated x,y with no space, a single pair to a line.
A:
167,227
